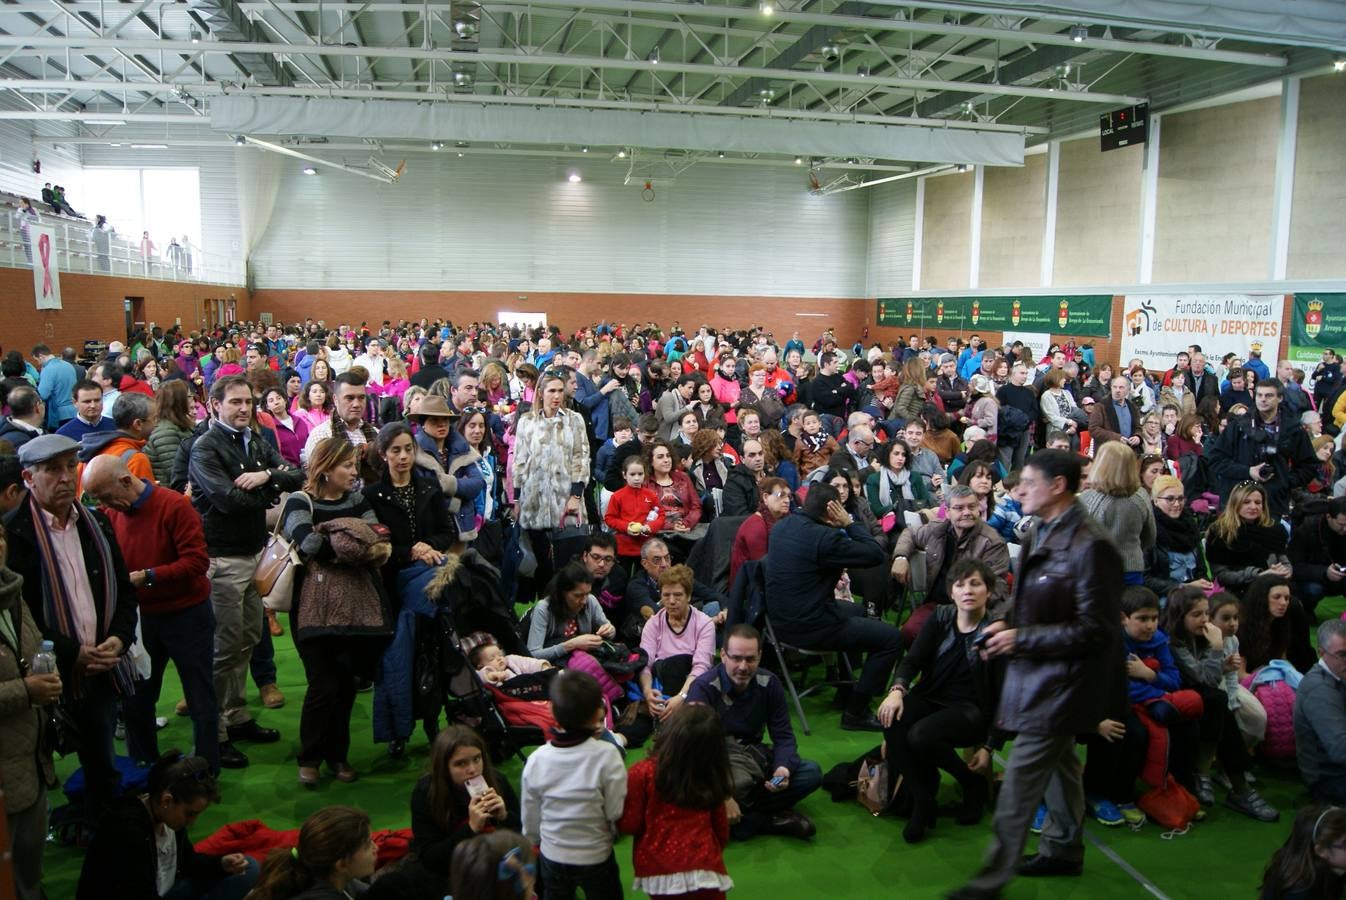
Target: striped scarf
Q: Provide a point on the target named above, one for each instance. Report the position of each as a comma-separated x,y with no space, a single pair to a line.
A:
57,602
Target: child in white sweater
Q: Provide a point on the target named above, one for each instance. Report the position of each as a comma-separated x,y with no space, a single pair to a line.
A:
573,791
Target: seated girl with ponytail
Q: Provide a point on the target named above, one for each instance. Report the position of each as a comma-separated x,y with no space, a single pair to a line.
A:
333,859
141,850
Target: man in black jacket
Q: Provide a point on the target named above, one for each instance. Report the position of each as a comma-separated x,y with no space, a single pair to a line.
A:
1065,674
740,488
1265,446
1318,554
829,392
806,555
236,476
79,592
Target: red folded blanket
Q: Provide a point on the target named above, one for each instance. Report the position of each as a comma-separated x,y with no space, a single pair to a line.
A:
257,840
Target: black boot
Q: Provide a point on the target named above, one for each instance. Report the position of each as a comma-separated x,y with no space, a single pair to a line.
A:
976,794
922,817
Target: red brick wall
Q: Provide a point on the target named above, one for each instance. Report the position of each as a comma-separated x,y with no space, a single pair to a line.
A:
781,315
93,308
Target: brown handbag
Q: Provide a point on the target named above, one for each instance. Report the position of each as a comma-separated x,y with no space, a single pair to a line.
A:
275,573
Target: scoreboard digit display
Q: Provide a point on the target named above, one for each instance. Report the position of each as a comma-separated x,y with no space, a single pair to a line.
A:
1124,127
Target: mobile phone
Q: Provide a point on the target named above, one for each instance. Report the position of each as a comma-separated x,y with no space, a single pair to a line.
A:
777,781
476,786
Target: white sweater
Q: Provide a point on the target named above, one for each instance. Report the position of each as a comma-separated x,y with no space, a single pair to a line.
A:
571,798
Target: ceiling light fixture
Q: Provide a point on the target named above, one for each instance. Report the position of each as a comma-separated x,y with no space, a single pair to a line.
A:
105,121
621,154
720,154
1079,33
862,71
574,178
149,146
950,19
195,36
766,8
462,79
1339,64
799,160
653,58
436,145
309,170
240,140
584,149
963,167
829,51
464,29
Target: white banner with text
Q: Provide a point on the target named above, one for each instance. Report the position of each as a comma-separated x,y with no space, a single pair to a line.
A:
1156,327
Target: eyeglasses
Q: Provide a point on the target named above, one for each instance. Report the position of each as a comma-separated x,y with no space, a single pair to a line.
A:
1176,498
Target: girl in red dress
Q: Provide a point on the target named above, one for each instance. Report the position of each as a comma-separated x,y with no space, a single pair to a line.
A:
675,807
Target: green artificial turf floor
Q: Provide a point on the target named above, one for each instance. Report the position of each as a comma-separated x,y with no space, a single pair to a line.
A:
853,854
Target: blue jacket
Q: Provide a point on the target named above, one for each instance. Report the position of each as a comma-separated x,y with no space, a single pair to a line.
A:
969,363
305,367
459,461
1169,678
394,707
595,404
804,559
56,387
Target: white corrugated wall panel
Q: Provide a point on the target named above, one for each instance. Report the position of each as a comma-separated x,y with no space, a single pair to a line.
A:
892,236
503,223
221,228
16,152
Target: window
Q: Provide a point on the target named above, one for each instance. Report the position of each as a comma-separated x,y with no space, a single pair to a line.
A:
166,202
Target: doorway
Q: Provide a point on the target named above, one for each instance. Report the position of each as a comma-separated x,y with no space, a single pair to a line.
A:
134,308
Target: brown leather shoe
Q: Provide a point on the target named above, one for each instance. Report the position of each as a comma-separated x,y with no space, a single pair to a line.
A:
308,775
181,708
342,772
272,698
273,623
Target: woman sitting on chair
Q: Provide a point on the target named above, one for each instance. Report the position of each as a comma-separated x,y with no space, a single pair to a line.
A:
952,706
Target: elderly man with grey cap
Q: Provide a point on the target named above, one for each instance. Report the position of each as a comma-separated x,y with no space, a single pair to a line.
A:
79,591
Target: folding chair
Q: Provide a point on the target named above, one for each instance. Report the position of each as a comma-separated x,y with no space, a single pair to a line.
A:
918,583
779,648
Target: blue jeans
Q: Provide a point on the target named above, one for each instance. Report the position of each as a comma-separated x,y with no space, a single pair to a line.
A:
263,662
599,882
187,637
95,716
233,887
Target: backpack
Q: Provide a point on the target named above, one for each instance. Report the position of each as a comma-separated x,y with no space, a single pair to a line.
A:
1171,805
1010,424
619,405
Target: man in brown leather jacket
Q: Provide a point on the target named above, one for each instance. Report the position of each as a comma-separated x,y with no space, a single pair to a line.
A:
1065,674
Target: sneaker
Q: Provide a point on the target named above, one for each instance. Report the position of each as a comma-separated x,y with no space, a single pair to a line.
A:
160,723
1131,814
1199,816
1205,789
1039,819
1106,813
1252,805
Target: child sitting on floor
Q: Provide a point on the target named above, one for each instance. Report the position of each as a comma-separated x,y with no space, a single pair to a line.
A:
1154,684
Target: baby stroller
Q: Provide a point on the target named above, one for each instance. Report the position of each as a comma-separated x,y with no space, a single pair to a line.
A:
468,603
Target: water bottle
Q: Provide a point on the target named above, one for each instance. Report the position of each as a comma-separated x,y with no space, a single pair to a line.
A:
44,660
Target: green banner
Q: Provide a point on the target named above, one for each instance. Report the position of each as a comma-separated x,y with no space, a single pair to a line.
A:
1085,315
1317,324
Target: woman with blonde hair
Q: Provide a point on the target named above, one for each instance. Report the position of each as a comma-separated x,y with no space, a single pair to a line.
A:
1245,541
910,401
1116,500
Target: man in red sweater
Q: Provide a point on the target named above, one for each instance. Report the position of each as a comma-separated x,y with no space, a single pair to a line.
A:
161,538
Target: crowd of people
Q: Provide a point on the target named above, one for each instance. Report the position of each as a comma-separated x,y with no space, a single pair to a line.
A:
1002,544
